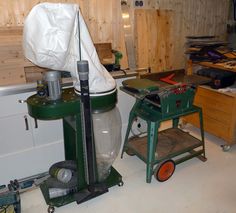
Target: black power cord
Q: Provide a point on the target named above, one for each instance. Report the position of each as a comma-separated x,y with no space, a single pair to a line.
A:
234,7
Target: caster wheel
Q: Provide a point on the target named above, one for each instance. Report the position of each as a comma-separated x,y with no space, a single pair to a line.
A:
51,209
164,170
129,152
225,148
121,183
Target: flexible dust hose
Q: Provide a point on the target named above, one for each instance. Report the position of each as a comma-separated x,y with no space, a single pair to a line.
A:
68,164
83,71
52,182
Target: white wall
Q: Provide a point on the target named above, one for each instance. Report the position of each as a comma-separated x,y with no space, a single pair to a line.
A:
125,103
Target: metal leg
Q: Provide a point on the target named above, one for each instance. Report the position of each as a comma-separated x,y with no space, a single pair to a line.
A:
151,148
175,122
202,130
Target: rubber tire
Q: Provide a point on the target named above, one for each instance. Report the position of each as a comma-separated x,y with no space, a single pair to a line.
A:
121,183
167,168
226,148
51,209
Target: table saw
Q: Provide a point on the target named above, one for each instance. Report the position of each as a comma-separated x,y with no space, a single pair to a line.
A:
167,96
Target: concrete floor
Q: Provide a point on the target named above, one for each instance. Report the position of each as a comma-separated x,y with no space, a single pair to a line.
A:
195,187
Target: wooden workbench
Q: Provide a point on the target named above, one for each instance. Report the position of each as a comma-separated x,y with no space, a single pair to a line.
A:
219,109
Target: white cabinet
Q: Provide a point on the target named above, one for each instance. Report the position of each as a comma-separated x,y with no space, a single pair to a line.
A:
45,132
14,136
27,146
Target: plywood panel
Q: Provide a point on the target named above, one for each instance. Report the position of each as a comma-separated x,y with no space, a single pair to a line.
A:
12,72
104,51
118,41
11,56
141,38
153,39
105,25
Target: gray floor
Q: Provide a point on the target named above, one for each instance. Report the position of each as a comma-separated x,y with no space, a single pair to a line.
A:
195,187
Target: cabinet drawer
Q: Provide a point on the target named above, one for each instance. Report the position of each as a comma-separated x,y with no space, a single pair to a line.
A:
212,126
217,128
10,104
219,113
216,114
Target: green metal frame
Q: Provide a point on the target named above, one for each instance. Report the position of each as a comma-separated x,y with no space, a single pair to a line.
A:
68,109
69,104
154,115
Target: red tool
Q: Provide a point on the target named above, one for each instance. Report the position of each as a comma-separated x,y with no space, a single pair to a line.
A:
168,78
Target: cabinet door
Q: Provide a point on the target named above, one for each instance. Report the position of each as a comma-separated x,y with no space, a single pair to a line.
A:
15,134
13,104
47,132
26,147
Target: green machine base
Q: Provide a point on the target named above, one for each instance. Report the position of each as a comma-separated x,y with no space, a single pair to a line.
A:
114,179
68,109
157,102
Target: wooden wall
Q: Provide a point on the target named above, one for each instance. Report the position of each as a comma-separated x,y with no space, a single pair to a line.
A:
103,17
153,39
191,17
188,18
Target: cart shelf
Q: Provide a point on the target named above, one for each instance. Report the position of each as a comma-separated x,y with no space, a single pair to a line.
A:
171,143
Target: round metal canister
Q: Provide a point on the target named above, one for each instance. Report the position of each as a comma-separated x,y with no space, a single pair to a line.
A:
53,80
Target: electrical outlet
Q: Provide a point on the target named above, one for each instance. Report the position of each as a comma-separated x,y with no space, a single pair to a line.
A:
139,126
139,3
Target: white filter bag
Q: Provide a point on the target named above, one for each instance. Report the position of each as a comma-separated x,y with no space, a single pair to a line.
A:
53,35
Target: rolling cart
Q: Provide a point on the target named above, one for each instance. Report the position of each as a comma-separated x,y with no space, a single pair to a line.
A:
156,102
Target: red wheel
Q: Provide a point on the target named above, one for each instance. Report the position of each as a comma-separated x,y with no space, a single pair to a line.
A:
165,170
